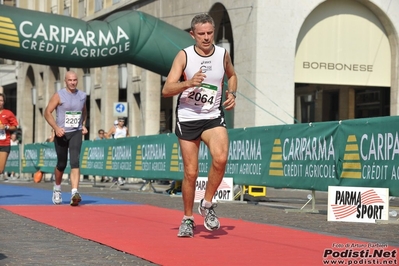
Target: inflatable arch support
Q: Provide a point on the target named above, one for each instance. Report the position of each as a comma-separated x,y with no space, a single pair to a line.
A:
124,37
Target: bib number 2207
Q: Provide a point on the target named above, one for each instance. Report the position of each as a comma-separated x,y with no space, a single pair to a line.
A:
72,119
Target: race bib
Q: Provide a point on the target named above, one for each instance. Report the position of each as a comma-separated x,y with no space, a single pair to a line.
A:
204,96
72,119
2,134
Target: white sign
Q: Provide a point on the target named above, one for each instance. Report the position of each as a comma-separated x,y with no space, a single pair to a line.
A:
224,192
357,204
120,109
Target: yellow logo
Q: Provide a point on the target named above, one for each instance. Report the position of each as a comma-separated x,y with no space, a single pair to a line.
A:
139,159
276,162
174,161
23,160
8,33
351,167
41,158
108,164
84,158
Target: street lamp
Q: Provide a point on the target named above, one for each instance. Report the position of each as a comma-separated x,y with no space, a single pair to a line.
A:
226,45
87,83
122,72
224,42
57,85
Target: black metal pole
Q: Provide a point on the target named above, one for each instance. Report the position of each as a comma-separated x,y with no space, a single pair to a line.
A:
34,123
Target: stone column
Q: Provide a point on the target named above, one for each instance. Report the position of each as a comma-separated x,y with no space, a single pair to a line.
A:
151,102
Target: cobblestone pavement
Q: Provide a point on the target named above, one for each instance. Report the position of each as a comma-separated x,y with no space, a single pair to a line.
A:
27,242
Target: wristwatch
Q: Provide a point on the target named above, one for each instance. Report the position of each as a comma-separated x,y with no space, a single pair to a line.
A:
233,93
7,127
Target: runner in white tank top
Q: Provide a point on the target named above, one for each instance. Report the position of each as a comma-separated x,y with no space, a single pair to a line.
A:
119,130
203,101
199,116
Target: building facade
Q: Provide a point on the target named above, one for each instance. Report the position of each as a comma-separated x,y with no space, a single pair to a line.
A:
296,62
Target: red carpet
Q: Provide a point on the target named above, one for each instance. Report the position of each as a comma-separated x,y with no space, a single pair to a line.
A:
150,233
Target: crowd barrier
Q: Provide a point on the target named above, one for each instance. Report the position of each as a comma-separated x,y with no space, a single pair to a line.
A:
359,153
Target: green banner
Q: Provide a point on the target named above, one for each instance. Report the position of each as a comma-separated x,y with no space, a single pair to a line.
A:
359,153
124,37
298,156
13,160
151,157
40,156
370,153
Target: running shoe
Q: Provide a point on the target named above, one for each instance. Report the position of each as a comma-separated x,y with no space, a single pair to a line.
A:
75,199
186,228
211,221
57,199
4,177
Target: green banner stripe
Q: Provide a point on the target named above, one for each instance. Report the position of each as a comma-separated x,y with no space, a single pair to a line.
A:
295,156
209,86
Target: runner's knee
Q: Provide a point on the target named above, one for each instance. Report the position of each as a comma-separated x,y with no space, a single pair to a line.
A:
74,162
61,166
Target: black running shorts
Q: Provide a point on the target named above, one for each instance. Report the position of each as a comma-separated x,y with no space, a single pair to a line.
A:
192,130
5,149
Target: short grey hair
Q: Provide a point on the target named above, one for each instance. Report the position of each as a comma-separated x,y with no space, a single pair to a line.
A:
201,19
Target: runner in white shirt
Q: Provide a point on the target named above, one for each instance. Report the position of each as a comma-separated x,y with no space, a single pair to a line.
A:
200,117
118,131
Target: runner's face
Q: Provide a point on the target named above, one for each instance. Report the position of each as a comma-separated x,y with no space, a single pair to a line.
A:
71,81
1,102
203,35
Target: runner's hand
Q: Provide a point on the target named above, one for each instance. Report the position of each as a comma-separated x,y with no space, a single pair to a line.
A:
197,79
230,101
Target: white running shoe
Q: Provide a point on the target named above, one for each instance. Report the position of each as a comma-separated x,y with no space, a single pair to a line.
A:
211,221
57,198
121,182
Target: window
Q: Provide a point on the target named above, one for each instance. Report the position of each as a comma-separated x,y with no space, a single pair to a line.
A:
81,9
67,11
98,5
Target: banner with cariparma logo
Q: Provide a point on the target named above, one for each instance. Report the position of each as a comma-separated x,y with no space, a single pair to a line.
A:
40,156
315,156
128,36
357,204
13,160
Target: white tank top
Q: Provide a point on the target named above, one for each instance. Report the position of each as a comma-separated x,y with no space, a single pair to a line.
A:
202,102
120,132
